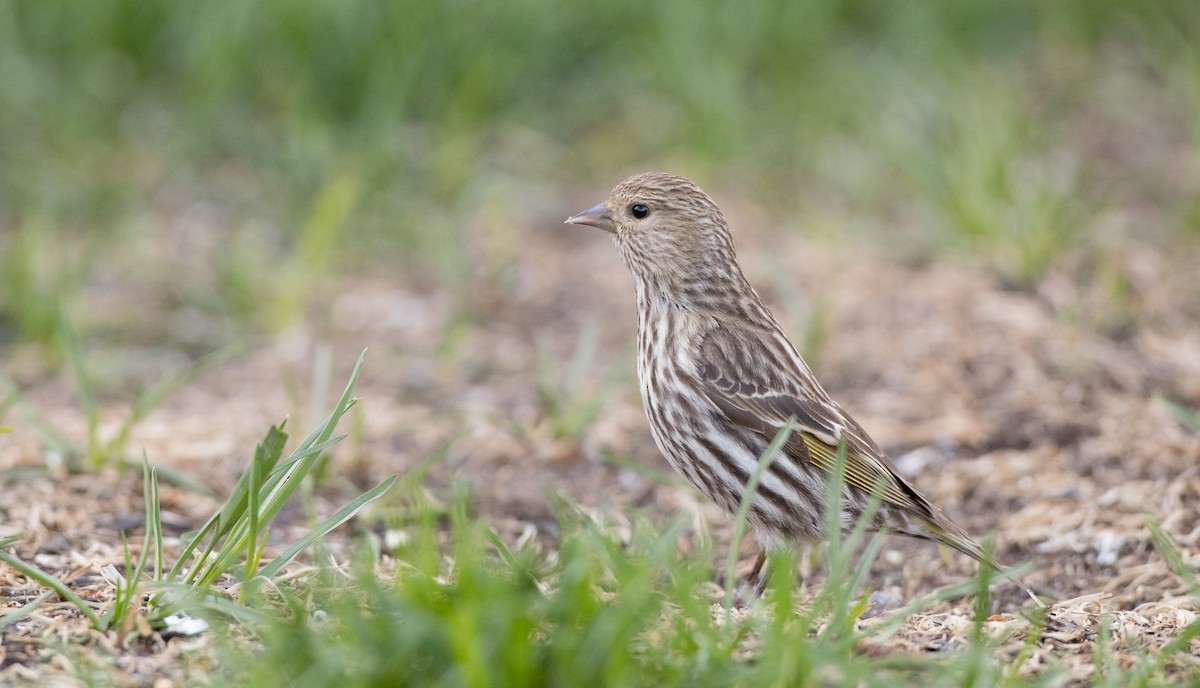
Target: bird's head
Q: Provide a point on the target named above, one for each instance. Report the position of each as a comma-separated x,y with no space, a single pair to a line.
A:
667,229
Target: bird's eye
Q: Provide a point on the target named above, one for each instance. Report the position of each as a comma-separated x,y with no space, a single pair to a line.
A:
639,210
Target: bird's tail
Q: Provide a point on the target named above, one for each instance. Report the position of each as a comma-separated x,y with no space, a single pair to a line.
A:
941,529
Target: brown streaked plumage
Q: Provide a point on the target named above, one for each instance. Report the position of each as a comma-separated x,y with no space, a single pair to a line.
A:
719,378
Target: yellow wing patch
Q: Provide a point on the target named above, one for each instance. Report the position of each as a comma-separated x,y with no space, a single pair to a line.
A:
858,470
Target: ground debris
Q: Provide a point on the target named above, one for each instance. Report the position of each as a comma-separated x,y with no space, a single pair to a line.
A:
1047,435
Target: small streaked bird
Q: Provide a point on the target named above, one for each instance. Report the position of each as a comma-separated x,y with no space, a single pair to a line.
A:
719,379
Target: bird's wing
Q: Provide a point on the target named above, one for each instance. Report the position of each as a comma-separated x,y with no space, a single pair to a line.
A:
760,383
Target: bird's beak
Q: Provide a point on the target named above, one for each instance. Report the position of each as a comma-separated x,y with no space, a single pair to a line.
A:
596,216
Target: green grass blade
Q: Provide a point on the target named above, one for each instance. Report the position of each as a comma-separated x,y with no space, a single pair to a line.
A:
252,514
34,573
24,610
510,559
324,527
149,400
1174,557
270,483
740,523
231,533
273,494
49,436
154,521
226,518
87,397
1188,418
282,484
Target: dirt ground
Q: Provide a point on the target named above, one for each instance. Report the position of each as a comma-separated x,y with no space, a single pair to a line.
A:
1031,415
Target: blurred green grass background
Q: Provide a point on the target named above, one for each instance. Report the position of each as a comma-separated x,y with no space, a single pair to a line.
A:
220,155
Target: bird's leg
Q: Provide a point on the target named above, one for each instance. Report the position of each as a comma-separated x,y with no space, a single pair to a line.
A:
754,584
757,579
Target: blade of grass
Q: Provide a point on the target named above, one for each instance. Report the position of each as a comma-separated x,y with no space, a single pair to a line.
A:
740,523
50,437
1166,546
1189,419
221,522
24,610
280,485
34,573
252,513
837,597
223,526
278,488
1170,551
83,380
510,559
325,527
154,517
259,495
149,400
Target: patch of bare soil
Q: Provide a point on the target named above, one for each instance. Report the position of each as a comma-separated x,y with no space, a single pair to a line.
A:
1028,415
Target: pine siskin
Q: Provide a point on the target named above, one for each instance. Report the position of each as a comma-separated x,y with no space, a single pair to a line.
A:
719,379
